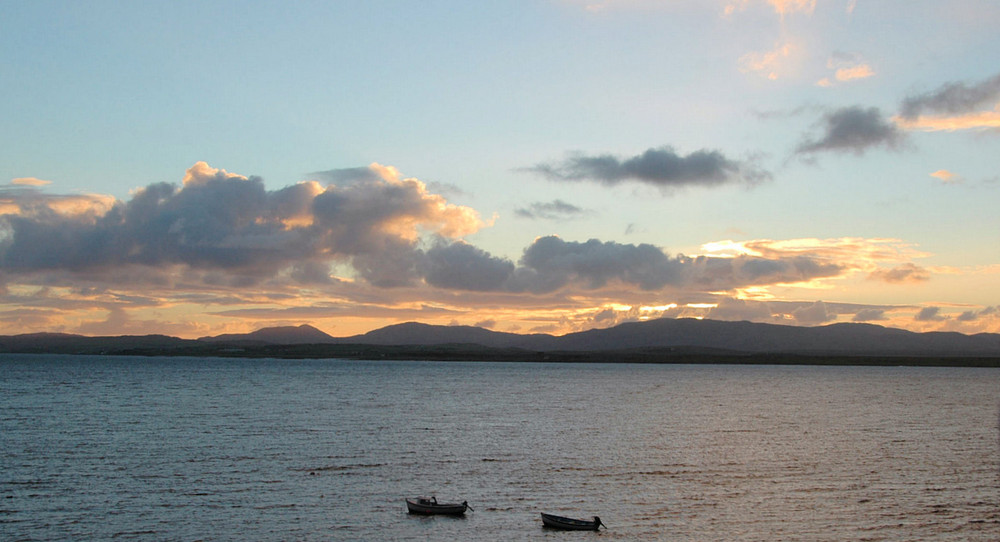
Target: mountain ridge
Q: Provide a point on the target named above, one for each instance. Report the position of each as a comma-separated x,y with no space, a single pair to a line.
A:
842,339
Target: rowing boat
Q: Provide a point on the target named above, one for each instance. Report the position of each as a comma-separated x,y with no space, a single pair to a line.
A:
430,506
570,524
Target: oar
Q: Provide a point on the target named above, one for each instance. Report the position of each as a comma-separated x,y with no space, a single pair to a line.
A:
466,503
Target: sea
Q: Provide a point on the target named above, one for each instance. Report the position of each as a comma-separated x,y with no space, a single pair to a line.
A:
146,448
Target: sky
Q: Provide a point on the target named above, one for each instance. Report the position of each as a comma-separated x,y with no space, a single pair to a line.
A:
198,168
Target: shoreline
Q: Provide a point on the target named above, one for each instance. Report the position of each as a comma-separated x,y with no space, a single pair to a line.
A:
477,353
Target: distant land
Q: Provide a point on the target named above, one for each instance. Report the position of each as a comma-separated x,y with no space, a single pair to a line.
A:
654,341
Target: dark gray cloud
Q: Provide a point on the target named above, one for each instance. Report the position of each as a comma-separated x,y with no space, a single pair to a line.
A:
662,167
553,210
953,99
462,266
929,314
869,315
551,263
853,129
972,316
728,273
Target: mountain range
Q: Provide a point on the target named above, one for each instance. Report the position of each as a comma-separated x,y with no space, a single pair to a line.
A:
663,337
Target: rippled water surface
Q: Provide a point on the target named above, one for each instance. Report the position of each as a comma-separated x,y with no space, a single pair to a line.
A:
214,449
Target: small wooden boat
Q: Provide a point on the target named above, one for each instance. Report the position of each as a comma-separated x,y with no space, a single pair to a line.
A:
430,506
570,524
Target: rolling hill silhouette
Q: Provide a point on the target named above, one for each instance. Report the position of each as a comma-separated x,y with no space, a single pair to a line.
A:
662,337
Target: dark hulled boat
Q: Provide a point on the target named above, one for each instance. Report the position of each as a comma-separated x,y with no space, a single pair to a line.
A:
570,524
430,506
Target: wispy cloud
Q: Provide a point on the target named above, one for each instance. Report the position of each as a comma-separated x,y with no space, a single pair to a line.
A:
781,7
29,181
771,64
552,210
662,167
907,272
955,98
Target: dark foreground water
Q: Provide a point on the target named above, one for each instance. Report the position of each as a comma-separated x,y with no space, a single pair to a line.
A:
210,449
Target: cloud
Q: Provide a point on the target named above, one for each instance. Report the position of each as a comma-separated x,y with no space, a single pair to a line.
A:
929,314
28,199
222,221
662,167
953,106
813,314
946,176
784,7
29,181
770,64
983,120
850,251
972,316
853,129
553,210
869,315
860,71
952,99
907,272
733,309
462,266
847,67
377,246
781,7
551,263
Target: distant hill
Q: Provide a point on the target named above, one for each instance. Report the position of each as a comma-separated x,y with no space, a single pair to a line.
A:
304,334
413,333
840,339
651,338
749,337
63,343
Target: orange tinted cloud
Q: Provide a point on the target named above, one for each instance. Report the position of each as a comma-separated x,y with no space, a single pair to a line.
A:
771,64
784,7
907,272
781,7
982,120
855,72
29,181
945,176
848,67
